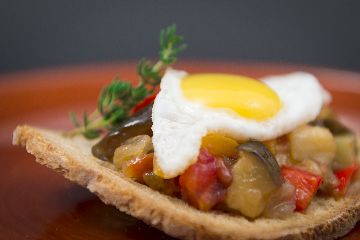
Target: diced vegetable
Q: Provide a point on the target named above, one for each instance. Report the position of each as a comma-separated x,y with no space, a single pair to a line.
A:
140,124
220,146
344,176
306,184
280,148
283,150
166,186
345,151
137,167
271,145
310,166
329,183
312,143
282,202
200,183
265,156
132,148
153,181
252,186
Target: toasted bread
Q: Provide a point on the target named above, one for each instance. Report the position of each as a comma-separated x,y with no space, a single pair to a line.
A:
325,218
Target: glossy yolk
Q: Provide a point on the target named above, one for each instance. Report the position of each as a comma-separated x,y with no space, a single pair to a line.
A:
247,97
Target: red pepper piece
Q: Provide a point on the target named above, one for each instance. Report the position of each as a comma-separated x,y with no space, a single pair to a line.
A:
147,101
200,183
306,184
344,178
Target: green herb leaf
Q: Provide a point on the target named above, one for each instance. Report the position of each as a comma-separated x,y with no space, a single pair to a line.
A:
147,73
171,45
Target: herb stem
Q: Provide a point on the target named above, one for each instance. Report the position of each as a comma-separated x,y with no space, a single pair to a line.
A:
157,67
94,114
99,122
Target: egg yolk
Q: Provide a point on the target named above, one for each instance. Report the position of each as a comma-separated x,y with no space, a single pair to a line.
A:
247,97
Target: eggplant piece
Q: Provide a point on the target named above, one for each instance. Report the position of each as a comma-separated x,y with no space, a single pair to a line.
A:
140,124
251,187
266,157
335,127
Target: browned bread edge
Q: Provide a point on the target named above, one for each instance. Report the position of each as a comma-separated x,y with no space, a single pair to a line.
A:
324,219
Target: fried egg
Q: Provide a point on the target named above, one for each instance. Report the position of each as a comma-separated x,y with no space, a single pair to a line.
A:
188,107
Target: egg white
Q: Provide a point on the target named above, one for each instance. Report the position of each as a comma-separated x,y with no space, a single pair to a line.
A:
179,124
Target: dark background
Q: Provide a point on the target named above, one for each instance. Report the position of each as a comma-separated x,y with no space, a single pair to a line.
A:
42,33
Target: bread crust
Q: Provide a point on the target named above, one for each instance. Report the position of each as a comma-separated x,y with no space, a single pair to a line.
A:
325,218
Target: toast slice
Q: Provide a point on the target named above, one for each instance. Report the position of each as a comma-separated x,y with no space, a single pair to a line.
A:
325,218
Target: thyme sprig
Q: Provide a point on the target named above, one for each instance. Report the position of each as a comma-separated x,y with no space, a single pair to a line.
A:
119,97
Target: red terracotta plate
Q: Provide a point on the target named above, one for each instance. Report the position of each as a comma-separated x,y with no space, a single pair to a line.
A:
37,203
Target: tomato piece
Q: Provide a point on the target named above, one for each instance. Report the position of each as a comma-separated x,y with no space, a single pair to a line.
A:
135,168
204,183
344,177
306,184
147,101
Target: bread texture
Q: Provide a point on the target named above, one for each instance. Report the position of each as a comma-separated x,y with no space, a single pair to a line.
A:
325,218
